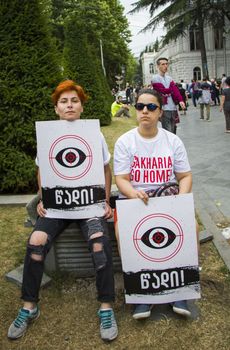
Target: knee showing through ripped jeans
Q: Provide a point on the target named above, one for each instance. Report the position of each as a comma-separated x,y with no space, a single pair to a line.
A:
97,242
38,245
98,253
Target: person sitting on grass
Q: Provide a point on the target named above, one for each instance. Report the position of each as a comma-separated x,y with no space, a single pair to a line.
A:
118,109
68,99
147,141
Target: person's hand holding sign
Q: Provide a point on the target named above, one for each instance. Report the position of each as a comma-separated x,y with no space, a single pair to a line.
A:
108,211
40,209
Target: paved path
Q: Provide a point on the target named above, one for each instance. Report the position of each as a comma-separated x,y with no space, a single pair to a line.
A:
208,148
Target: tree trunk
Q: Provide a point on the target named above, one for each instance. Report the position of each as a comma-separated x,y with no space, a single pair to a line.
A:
202,44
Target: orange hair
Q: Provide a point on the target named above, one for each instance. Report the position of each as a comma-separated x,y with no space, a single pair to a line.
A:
68,85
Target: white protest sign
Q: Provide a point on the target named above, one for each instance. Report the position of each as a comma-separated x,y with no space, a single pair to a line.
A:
71,168
159,249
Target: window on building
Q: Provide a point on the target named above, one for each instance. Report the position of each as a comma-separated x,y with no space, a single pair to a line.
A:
218,38
197,73
194,38
151,69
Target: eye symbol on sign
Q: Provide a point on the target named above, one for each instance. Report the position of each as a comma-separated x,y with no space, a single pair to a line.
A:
158,237
70,157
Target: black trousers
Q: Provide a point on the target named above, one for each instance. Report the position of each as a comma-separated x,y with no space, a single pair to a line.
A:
33,269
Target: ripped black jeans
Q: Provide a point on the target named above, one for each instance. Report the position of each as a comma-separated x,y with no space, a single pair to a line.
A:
33,269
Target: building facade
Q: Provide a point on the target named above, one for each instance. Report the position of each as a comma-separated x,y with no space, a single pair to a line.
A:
185,57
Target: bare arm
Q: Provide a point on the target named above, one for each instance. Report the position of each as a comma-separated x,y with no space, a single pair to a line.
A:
40,209
108,182
125,187
185,182
222,102
39,183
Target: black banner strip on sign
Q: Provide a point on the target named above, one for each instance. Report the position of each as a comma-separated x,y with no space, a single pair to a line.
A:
158,281
72,197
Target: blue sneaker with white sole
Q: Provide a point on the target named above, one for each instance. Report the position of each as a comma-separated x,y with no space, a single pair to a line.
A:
181,308
142,311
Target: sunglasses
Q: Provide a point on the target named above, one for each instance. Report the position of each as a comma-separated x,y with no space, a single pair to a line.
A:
150,106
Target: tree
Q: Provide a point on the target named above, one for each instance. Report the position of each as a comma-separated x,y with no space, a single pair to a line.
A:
104,22
82,64
93,45
132,68
29,71
156,45
179,15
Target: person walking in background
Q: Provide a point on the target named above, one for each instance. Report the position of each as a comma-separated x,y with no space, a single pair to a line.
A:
225,103
184,85
68,99
165,85
215,92
129,93
194,90
205,100
118,109
223,82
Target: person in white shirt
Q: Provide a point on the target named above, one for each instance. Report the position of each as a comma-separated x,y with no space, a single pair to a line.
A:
147,158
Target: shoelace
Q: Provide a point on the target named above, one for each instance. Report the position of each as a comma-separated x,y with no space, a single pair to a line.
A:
21,318
106,318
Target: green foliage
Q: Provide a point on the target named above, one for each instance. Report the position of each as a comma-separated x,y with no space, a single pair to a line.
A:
82,64
103,20
28,73
30,68
18,173
131,69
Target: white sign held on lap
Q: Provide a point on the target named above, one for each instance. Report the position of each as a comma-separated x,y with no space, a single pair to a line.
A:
159,249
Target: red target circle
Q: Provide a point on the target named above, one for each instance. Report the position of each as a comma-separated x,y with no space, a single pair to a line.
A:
158,237
70,157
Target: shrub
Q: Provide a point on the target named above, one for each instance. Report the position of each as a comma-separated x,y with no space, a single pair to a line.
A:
29,71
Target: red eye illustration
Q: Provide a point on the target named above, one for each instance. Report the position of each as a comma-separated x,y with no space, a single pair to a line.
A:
158,237
70,157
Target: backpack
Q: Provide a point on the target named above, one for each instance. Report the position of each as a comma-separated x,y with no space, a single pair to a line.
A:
195,87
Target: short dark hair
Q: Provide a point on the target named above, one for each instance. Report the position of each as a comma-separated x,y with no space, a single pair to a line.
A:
161,59
153,93
227,81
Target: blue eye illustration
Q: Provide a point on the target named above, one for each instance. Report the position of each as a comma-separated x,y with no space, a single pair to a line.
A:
70,157
158,237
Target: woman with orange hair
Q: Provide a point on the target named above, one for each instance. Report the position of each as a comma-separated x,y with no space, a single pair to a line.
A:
68,99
